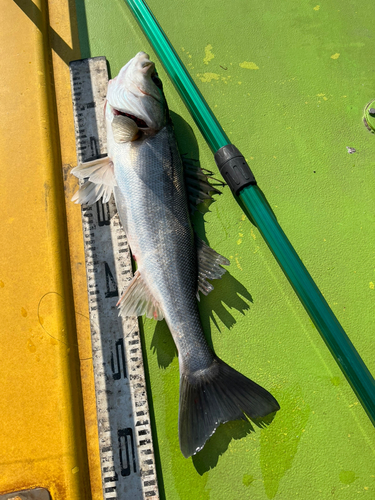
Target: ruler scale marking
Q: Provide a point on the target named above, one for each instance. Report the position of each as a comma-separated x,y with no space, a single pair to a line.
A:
125,441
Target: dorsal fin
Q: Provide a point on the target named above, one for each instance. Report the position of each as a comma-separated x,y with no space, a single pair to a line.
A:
197,183
209,266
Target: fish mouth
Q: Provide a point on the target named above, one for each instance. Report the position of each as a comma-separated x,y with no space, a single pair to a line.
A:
140,123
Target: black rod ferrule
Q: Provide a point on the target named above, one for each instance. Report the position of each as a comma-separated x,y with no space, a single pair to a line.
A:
234,169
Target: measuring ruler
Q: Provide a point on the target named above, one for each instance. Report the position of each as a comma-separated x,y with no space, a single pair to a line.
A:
125,442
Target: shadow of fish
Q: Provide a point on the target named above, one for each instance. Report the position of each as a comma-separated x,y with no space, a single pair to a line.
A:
145,172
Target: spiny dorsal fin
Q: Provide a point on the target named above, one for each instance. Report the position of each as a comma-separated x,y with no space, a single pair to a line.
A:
100,181
197,183
138,300
209,266
124,129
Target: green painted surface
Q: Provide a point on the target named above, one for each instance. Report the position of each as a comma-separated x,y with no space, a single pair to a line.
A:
288,82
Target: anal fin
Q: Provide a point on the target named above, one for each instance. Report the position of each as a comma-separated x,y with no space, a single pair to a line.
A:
138,300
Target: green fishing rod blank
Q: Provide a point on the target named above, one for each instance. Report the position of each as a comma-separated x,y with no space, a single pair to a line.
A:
240,179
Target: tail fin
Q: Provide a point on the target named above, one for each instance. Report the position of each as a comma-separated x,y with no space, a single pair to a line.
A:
216,395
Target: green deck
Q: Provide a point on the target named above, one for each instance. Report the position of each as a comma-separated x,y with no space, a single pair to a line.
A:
288,82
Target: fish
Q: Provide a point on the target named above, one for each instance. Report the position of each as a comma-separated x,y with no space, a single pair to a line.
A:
154,194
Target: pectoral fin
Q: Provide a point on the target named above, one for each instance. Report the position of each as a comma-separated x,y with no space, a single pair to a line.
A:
138,300
124,129
100,181
89,193
209,266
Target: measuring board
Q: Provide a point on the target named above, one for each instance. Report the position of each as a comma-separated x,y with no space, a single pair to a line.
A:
125,442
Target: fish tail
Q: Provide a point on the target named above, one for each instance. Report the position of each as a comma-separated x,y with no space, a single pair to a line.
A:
216,395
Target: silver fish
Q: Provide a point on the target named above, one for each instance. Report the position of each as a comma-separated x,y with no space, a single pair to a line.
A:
145,172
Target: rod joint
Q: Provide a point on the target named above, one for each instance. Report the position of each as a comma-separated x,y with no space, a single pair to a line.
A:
234,169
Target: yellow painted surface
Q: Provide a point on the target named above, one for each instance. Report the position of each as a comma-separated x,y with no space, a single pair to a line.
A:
62,18
42,416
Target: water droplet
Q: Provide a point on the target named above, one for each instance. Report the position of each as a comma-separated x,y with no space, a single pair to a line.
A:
31,346
248,479
347,476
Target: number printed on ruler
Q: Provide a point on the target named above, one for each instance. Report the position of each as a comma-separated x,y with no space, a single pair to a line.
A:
125,442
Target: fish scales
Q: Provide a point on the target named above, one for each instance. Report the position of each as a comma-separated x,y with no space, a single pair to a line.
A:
152,201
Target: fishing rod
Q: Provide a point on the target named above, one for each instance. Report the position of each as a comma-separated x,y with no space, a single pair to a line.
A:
237,174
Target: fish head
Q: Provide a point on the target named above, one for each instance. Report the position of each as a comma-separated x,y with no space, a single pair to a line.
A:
137,91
